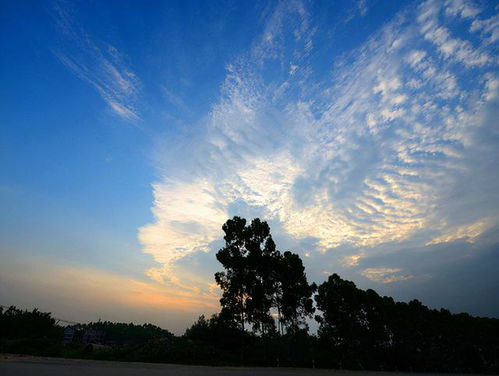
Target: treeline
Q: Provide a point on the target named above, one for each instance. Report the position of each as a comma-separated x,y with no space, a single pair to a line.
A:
357,329
16,323
29,332
364,330
266,304
122,334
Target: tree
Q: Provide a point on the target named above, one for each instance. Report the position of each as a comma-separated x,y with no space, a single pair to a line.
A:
247,258
18,323
234,281
293,294
343,323
262,254
258,279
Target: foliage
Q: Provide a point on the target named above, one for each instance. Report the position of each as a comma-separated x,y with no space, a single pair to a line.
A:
16,323
361,329
129,334
32,332
246,283
293,293
258,279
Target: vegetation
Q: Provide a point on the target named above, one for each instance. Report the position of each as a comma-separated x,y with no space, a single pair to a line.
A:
128,334
361,329
29,332
15,323
266,302
258,279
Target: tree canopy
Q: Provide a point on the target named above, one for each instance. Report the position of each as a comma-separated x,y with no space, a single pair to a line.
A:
258,280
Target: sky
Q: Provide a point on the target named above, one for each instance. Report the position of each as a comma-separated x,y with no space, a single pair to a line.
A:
365,133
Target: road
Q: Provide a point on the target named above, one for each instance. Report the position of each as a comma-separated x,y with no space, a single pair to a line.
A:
31,366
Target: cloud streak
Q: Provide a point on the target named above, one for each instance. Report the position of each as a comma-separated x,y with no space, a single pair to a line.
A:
99,64
385,275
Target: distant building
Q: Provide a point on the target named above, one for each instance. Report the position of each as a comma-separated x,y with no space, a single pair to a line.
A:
69,334
92,335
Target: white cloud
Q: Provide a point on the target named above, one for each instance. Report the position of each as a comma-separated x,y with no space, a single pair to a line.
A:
489,26
188,216
362,159
352,260
452,48
462,8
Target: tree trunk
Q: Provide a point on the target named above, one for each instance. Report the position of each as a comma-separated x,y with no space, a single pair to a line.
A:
242,311
279,318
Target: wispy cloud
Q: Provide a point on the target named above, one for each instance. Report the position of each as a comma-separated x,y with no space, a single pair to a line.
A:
97,63
385,275
367,156
352,260
468,233
360,8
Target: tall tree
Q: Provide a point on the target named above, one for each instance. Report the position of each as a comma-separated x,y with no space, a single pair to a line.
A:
343,322
247,259
261,255
293,293
234,281
258,279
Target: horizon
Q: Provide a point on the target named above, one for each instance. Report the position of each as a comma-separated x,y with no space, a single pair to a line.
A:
365,133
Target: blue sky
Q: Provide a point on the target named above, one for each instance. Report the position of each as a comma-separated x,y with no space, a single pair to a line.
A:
364,132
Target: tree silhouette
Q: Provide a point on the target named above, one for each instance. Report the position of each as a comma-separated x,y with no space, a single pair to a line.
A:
343,321
293,294
246,283
258,279
234,281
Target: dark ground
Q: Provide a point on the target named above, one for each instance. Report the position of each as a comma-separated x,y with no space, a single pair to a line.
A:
11,365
